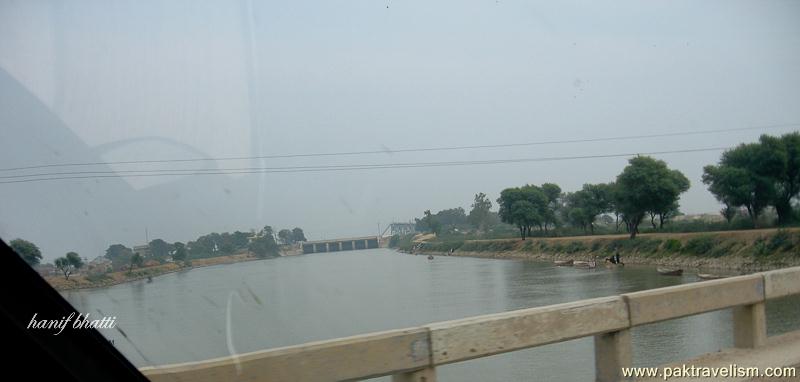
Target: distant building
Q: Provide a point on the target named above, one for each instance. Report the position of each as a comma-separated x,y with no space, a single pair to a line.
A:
707,217
100,264
142,250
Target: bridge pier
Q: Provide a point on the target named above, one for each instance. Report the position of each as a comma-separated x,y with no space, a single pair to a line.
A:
612,352
749,326
372,243
361,244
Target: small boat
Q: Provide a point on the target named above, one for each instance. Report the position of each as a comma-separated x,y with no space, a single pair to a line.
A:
709,276
430,257
563,263
670,272
584,264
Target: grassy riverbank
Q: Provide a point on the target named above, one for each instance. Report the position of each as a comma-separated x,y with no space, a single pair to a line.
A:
114,278
747,250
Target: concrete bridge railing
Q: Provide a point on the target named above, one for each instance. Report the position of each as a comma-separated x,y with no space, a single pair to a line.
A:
412,354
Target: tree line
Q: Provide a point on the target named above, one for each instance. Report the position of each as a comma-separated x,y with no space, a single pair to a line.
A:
645,188
750,177
264,243
754,176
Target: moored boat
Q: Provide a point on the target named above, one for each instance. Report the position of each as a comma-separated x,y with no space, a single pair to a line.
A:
563,262
709,276
584,264
669,272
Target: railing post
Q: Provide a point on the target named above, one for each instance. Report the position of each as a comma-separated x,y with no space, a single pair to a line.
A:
427,374
612,352
749,326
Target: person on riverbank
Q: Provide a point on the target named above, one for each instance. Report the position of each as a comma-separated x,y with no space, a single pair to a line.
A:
615,259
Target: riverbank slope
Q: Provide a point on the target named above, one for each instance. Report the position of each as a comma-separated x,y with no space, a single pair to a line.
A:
84,281
745,251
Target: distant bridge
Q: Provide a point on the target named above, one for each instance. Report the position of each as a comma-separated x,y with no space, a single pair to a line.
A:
336,245
400,229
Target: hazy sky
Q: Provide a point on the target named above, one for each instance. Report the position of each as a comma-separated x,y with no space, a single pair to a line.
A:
133,80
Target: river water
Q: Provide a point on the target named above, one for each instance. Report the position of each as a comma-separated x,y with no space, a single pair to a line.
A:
227,309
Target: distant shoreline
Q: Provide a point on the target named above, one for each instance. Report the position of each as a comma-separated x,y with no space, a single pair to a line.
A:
729,250
81,282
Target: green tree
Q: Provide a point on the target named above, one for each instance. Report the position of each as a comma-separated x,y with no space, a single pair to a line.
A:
665,214
285,236
297,235
264,246
523,215
742,179
428,223
553,194
267,231
729,212
62,264
69,263
27,250
646,185
585,205
179,252
239,239
159,248
136,261
119,255
665,204
479,214
452,217
781,162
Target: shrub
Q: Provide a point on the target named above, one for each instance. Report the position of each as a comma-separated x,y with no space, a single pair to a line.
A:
760,247
622,245
782,240
699,245
723,249
575,246
394,241
505,245
672,245
645,245
556,247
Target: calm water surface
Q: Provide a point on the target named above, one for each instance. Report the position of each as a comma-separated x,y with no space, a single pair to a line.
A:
227,309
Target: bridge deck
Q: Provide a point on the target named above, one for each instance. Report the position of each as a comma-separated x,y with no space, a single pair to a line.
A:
342,239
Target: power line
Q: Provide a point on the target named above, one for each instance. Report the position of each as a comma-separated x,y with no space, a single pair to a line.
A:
389,151
299,169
